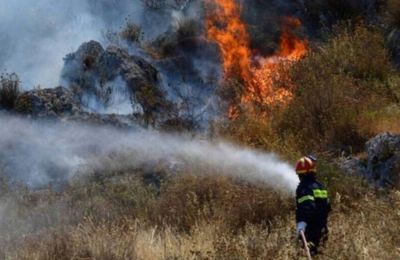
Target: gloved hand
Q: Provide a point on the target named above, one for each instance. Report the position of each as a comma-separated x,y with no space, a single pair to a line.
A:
301,226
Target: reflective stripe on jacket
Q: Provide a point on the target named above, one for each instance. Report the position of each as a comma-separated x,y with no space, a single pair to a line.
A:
312,202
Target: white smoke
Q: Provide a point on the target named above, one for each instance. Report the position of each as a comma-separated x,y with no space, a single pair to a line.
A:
38,153
36,35
119,101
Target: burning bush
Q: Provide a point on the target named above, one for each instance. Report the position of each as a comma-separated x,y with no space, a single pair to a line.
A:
9,90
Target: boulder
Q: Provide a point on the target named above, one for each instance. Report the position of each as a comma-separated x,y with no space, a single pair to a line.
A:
381,166
393,40
353,166
55,102
97,75
61,104
383,162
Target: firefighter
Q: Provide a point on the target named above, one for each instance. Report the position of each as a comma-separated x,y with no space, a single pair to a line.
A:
312,204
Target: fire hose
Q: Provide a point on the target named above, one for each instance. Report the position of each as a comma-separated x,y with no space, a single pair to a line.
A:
303,237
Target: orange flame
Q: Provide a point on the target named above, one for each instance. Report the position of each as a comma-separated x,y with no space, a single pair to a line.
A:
225,27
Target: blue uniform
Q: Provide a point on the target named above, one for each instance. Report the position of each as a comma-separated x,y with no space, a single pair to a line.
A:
312,207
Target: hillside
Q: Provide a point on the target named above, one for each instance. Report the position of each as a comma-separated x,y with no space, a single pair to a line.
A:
170,129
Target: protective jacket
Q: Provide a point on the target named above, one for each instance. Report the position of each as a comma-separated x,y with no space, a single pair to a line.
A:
312,207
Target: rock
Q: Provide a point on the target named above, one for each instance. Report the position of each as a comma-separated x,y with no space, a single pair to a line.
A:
382,165
56,102
120,121
393,40
61,104
353,166
100,76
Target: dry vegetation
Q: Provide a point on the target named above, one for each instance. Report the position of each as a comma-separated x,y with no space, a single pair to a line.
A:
347,90
9,90
189,217
338,86
394,12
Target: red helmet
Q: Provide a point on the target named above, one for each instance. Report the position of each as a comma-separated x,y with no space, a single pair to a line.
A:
305,165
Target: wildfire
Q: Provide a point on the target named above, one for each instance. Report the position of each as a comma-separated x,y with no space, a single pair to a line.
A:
225,27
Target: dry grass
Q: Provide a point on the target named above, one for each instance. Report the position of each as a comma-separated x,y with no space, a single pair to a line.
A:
383,120
121,217
373,238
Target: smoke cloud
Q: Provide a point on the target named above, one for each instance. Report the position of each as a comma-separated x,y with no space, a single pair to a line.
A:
36,35
38,153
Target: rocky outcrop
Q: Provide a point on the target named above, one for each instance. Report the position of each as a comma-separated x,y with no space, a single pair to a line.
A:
110,86
393,40
105,86
91,65
56,102
61,104
382,164
96,75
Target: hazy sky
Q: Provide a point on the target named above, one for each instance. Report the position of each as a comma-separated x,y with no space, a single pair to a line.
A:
36,35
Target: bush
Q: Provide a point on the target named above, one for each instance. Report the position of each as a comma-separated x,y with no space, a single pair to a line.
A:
116,215
187,29
258,132
335,10
9,90
337,85
189,199
393,8
131,32
24,104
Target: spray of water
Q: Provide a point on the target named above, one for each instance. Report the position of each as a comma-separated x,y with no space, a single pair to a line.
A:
38,153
